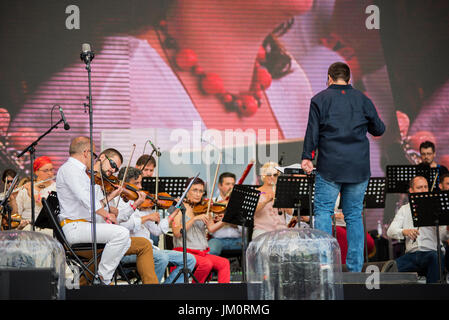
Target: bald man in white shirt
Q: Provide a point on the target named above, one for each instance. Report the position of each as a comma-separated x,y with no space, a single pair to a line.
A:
73,189
420,243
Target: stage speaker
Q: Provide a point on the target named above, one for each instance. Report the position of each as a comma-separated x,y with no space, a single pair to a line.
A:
28,284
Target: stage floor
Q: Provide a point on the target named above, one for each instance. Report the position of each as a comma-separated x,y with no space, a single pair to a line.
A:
238,291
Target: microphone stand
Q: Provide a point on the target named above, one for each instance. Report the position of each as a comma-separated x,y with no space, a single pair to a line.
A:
31,149
96,280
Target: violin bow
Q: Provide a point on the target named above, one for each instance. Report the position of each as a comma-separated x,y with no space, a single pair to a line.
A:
156,187
126,172
213,185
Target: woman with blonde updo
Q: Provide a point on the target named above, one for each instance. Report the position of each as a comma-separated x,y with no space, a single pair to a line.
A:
267,218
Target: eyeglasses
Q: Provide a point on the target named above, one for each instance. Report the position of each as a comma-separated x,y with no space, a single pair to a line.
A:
47,170
9,181
199,191
112,163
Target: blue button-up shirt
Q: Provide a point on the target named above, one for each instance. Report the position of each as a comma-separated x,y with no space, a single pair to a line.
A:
339,118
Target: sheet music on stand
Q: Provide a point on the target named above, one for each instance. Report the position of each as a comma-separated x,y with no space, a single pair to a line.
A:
431,209
174,186
399,176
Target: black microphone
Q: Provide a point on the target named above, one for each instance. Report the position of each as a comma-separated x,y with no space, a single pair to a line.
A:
87,55
66,124
154,149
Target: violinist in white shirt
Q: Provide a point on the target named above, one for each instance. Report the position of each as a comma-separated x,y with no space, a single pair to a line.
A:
73,189
140,249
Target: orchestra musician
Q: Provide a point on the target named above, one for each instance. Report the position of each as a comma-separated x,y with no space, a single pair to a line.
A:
73,188
142,222
44,184
108,163
147,164
196,226
267,218
7,178
229,237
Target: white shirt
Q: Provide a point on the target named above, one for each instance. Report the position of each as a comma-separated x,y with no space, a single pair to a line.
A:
73,189
427,239
131,220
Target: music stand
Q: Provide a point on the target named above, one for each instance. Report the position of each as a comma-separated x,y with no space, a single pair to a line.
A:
399,176
174,186
374,199
431,209
240,211
295,192
43,221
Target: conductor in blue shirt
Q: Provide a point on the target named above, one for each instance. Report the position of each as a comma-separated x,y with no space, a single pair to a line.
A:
339,119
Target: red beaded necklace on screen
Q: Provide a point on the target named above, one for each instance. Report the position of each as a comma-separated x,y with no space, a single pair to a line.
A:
246,103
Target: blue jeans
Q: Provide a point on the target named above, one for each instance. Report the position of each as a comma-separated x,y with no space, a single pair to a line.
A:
352,195
216,245
421,261
161,260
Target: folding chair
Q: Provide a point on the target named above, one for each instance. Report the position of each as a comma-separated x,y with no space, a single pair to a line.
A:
49,218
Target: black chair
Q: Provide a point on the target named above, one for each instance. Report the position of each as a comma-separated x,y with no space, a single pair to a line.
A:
48,218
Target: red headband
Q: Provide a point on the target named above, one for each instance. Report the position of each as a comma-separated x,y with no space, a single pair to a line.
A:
40,162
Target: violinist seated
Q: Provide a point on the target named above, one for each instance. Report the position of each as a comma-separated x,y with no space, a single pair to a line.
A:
229,237
73,187
44,184
107,190
16,221
137,216
196,239
147,164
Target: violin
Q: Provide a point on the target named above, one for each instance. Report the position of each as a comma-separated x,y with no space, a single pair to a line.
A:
16,219
164,200
130,192
215,207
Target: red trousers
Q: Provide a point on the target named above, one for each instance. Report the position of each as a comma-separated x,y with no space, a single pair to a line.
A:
206,262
